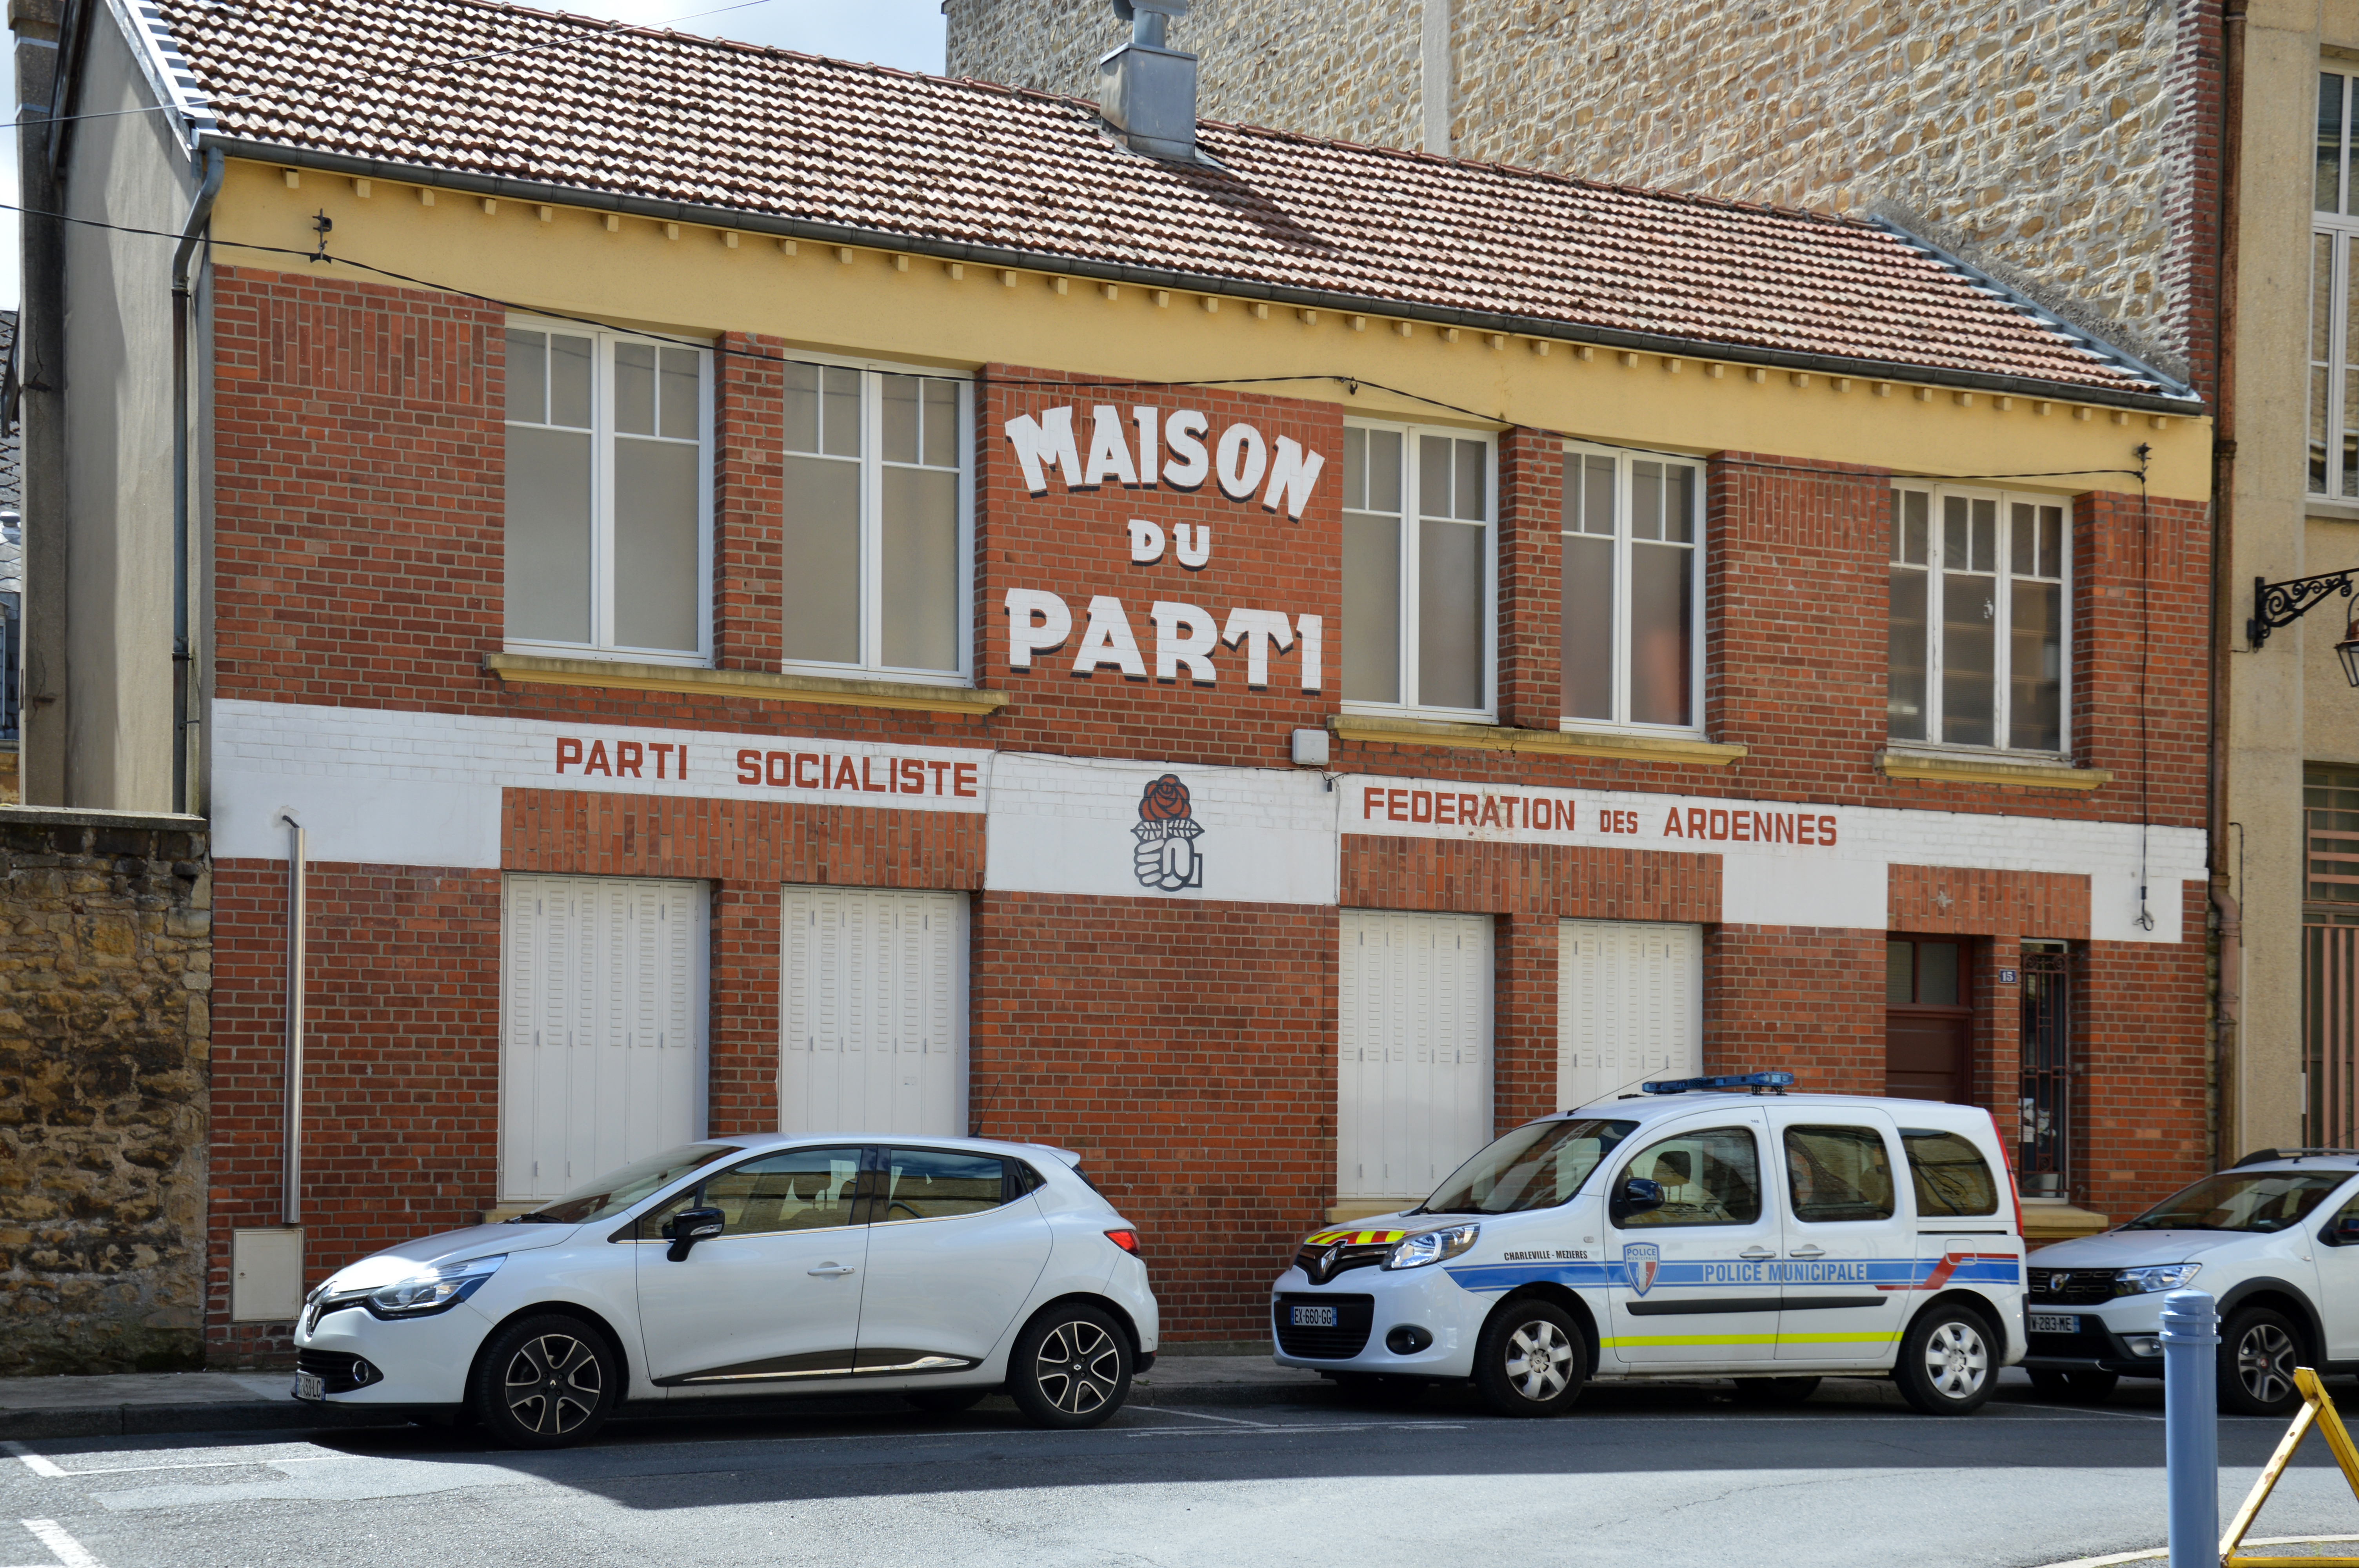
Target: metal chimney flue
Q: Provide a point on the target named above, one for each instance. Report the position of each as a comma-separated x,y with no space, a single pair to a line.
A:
1146,90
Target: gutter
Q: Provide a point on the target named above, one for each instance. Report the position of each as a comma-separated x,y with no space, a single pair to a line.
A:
2178,402
185,741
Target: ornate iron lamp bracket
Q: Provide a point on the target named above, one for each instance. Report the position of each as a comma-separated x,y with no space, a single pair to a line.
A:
2277,604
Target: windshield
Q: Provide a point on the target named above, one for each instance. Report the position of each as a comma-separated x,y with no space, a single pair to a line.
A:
2243,1200
1536,1166
620,1189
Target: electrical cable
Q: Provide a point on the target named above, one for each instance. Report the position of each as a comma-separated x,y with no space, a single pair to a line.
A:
1352,383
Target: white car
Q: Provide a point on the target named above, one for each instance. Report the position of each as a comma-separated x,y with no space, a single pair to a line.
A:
1714,1227
940,1268
2274,1240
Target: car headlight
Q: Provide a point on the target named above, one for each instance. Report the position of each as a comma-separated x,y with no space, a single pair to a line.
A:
433,1289
2161,1276
1432,1247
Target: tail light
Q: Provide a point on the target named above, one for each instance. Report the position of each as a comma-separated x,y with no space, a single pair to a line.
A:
1125,1239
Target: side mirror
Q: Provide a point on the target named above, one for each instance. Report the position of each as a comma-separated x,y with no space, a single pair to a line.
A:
691,1226
1637,1195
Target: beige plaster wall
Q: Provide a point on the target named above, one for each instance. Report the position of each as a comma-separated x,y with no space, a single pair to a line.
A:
2044,140
2289,701
117,695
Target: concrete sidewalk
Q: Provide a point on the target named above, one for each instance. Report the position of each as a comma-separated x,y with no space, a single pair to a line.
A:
134,1404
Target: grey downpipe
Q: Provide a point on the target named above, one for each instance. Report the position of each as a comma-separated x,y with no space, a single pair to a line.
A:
296,921
184,666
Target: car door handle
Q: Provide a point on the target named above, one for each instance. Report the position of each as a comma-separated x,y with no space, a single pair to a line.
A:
1754,1254
833,1270
1807,1250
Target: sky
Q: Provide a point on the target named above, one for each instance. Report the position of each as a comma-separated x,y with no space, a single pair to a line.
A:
904,33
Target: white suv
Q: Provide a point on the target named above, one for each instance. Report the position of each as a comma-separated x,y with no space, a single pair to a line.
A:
2274,1238
939,1269
1711,1228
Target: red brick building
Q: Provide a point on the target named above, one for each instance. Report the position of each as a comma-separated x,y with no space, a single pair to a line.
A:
791,595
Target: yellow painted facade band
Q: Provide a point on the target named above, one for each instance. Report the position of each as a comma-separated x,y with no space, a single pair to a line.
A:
867,308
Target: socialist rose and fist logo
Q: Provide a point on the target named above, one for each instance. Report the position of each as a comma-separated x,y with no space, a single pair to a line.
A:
1167,858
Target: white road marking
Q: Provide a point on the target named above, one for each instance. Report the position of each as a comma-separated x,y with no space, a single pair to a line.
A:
2161,1551
1199,1415
33,1462
69,1550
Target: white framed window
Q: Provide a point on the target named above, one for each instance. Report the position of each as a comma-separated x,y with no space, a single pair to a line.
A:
1419,570
609,535
878,482
1980,635
2334,429
1632,632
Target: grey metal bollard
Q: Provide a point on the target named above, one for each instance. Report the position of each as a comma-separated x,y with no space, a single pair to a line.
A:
2190,1345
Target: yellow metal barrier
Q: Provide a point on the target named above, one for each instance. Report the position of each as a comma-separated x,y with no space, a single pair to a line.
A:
2315,1409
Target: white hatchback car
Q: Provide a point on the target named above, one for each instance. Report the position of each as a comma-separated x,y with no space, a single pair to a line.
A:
939,1269
2274,1238
1713,1227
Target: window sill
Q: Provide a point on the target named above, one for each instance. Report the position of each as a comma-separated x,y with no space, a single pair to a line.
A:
2328,511
533,669
1952,767
1538,742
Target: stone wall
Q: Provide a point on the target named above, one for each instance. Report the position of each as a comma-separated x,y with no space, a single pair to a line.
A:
105,979
2053,142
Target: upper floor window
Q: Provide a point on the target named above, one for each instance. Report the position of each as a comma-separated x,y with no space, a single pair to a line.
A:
1632,601
1978,640
875,550
608,493
1418,567
2334,426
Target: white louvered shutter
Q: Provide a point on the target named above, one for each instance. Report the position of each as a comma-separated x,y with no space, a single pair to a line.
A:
1629,1006
1413,1061
602,1061
872,1012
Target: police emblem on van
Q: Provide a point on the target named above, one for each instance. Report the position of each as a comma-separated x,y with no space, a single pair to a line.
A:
1639,1261
1167,858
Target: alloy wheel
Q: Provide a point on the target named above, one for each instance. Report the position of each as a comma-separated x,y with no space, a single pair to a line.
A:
1956,1363
2265,1362
1078,1367
1539,1360
553,1384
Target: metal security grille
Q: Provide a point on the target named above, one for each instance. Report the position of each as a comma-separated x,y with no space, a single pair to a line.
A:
2330,953
2043,1160
1413,1072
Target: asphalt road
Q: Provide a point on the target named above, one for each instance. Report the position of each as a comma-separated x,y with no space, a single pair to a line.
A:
1661,1475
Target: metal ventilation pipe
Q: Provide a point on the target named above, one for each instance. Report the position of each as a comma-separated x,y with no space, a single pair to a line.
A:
1146,90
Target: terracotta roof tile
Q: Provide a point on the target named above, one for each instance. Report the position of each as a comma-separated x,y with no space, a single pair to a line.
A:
509,94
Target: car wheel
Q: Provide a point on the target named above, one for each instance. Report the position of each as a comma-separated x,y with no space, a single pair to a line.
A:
546,1382
1774,1390
1531,1360
1070,1369
2258,1352
1947,1363
945,1401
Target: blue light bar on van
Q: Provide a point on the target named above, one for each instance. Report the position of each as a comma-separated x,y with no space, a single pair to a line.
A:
1738,1081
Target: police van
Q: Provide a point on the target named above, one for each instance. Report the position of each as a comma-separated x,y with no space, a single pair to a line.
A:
1705,1228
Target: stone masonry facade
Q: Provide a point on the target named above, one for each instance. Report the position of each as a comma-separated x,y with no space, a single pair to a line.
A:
2053,142
105,1026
